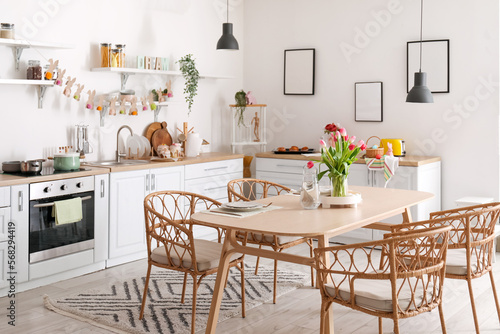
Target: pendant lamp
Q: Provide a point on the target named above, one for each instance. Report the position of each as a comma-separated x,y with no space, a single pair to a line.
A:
227,40
420,93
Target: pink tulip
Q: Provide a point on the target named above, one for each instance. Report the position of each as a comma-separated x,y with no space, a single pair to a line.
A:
363,147
343,132
353,138
322,143
360,143
335,139
310,164
352,147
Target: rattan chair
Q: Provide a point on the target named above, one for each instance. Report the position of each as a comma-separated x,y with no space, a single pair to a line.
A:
251,189
171,244
405,285
471,244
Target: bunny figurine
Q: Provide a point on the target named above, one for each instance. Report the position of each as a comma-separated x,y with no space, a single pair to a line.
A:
123,108
78,92
250,98
133,107
144,103
169,88
152,104
60,77
50,71
69,85
100,102
90,101
112,106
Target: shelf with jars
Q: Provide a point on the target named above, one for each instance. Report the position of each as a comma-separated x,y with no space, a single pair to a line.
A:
249,126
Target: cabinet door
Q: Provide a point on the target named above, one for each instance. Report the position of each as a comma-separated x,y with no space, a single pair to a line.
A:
126,213
4,196
3,265
168,178
4,223
19,216
101,217
359,175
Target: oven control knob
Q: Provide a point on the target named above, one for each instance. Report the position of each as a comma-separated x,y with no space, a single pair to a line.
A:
47,190
79,185
64,187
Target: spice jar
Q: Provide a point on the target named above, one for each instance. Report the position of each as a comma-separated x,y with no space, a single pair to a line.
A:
122,55
34,71
105,54
7,30
116,55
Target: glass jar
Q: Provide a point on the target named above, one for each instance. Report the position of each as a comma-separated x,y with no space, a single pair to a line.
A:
105,54
309,193
122,55
116,57
7,30
34,71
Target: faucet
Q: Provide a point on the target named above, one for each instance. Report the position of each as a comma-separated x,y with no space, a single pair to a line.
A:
118,154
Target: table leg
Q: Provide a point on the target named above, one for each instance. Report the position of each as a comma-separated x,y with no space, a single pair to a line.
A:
328,319
407,216
225,256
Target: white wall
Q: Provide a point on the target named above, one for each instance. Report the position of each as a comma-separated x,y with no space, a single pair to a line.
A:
462,127
165,28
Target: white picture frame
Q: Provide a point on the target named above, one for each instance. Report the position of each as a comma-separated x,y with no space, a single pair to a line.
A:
368,102
299,71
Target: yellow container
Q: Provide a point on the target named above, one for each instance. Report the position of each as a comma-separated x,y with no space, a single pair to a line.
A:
398,146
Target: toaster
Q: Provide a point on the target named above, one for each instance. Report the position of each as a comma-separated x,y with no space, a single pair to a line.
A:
398,146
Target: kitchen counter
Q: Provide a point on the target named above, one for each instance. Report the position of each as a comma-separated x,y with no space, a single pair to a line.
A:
203,157
12,180
410,160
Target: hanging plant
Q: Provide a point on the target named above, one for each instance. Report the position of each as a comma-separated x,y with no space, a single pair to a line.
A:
191,76
241,104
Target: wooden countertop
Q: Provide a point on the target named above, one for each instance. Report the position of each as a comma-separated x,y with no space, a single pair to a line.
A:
411,160
12,180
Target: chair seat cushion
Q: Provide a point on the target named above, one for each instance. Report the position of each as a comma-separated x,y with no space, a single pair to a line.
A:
377,294
456,262
207,255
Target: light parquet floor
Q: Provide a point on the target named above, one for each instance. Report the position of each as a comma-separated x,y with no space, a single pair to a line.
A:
294,313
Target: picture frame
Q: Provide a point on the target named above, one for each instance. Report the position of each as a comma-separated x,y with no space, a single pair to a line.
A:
299,71
368,101
435,62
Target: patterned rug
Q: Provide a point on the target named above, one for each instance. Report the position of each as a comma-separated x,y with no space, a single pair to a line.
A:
117,307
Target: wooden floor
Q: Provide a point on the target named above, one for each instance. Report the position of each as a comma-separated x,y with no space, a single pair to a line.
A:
295,312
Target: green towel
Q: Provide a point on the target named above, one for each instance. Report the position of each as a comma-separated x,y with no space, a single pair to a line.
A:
68,211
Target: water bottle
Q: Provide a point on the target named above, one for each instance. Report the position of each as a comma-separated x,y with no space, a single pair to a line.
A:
309,193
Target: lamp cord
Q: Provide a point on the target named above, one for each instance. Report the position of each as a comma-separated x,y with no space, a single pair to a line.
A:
227,11
421,30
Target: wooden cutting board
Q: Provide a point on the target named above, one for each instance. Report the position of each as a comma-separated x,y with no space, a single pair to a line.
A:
151,129
160,137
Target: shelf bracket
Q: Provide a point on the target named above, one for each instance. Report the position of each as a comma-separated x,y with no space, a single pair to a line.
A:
156,112
103,113
18,52
124,78
41,93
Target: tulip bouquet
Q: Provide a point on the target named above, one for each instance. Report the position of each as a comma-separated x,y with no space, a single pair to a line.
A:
338,159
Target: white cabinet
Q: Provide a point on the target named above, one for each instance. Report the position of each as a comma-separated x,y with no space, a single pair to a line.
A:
101,223
210,179
127,236
19,217
425,177
4,235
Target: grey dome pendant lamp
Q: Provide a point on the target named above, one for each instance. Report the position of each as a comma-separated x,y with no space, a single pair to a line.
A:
227,40
420,93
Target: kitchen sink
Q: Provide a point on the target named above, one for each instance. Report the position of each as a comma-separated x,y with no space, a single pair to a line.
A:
116,163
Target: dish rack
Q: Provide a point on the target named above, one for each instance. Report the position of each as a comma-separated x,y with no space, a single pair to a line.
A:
372,152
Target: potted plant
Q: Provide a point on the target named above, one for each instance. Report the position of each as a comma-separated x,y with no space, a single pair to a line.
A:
191,76
241,104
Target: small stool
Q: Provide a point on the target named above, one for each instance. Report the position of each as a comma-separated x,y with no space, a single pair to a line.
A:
469,201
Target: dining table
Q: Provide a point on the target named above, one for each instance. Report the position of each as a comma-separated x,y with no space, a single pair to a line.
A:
288,218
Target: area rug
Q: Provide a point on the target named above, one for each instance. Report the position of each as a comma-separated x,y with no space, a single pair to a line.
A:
116,308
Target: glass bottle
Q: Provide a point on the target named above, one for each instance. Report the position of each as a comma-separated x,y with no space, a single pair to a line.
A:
309,193
105,54
121,61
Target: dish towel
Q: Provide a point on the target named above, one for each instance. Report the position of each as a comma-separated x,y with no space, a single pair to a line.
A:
67,211
387,163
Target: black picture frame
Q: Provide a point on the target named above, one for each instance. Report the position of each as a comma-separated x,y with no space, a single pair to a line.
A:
369,101
435,62
299,71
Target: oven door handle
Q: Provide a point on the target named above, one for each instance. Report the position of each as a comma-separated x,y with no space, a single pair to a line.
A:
44,205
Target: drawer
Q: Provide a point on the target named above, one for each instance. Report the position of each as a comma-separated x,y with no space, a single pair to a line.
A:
214,186
205,169
4,196
281,165
293,181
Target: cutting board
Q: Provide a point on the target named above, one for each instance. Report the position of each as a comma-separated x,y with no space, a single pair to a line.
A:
160,137
151,129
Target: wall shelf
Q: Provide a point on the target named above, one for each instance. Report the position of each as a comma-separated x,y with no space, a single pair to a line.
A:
41,85
248,134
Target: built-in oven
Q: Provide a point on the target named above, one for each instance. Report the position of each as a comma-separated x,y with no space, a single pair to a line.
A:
49,240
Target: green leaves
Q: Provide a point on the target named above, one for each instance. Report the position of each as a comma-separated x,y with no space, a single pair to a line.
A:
191,76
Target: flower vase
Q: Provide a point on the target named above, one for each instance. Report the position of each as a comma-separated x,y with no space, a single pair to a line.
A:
339,185
309,193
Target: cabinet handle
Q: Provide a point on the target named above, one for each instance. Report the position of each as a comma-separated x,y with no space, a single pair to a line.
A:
215,168
215,188
102,188
147,183
20,201
153,182
290,166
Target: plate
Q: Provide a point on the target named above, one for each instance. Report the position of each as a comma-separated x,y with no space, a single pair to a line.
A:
135,143
311,150
241,206
146,145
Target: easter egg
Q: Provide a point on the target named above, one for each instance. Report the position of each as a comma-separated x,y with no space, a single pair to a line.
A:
374,146
378,156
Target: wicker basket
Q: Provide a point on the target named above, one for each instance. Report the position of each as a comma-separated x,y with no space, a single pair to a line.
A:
372,152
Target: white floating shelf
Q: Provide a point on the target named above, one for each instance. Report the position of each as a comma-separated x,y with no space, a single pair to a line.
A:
249,143
126,70
27,44
27,82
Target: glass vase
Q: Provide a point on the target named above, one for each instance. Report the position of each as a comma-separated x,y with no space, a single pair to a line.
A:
309,193
339,185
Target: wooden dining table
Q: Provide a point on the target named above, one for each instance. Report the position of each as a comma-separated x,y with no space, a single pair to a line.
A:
290,219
